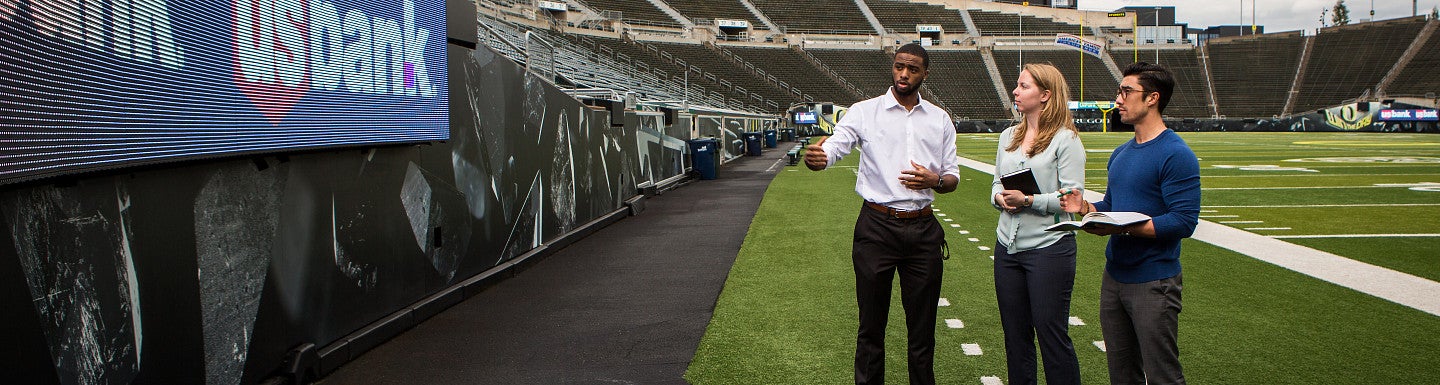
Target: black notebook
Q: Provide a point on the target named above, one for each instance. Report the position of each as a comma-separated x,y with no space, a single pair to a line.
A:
1022,180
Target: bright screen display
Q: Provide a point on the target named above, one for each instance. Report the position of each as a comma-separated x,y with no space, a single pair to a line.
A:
1409,115
97,84
802,117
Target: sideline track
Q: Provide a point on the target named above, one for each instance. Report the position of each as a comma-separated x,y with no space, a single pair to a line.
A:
1401,288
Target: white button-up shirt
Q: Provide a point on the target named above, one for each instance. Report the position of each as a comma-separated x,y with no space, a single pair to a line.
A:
890,137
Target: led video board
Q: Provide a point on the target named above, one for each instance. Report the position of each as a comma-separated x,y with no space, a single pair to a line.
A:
96,84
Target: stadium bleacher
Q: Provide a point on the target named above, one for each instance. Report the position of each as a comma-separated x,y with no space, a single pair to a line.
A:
1252,74
840,17
716,9
1349,61
902,16
994,23
865,68
641,12
1190,98
961,81
792,68
727,69
1098,83
1420,74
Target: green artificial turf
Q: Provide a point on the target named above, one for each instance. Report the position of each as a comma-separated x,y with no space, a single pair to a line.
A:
787,313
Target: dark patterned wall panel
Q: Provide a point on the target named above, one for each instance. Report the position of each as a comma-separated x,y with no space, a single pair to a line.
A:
209,272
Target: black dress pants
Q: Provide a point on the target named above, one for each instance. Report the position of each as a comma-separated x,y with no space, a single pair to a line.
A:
883,246
1033,290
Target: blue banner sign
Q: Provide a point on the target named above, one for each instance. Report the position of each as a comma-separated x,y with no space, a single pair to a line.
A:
1409,115
96,84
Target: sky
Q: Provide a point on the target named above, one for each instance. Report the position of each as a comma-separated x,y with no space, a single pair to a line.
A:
1275,15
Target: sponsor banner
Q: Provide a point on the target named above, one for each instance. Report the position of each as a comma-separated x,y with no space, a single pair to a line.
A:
95,84
1349,117
1080,43
1423,115
732,23
551,5
1091,105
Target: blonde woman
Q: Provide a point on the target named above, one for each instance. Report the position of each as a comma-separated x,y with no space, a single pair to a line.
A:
1034,268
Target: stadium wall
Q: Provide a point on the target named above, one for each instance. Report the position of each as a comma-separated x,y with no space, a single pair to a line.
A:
1346,118
235,271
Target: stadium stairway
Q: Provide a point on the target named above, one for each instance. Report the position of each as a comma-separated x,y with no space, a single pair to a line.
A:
627,304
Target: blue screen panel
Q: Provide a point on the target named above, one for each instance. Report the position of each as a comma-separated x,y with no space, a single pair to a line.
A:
805,118
96,84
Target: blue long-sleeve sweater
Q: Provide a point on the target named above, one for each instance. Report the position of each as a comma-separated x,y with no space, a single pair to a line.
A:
1159,178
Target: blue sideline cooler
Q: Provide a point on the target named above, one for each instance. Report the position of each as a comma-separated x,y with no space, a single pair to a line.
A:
771,136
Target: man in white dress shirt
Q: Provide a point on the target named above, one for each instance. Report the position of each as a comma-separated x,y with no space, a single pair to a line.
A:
908,156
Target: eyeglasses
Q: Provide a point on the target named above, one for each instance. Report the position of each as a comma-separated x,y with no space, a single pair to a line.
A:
1124,91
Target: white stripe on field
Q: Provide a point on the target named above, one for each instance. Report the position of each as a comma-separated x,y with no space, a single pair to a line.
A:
954,225
1240,222
987,248
939,214
1401,288
774,166
1100,344
1267,228
1307,174
954,323
1316,206
974,239
964,232
944,302
1356,236
1219,216
971,349
1207,211
1303,187
1076,321
990,380
949,220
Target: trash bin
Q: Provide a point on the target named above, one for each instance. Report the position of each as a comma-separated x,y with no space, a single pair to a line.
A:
705,157
753,141
771,136
787,135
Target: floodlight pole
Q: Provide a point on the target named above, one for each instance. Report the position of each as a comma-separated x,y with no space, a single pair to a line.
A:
1157,34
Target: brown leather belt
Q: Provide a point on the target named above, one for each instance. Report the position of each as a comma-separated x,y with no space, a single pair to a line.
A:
900,214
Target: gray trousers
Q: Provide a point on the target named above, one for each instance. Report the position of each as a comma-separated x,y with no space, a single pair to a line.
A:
1140,322
1033,290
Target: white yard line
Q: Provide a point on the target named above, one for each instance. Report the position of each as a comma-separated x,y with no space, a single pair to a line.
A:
1358,236
1307,174
1317,206
1302,187
1405,289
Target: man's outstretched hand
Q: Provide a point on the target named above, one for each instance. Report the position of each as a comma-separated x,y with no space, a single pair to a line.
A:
815,157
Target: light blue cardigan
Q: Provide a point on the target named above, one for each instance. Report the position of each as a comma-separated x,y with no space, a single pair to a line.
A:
1061,164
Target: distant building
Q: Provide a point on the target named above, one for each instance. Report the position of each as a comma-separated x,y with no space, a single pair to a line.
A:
1156,25
1227,31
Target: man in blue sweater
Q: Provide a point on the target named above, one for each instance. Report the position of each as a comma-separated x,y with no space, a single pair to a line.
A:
1158,175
